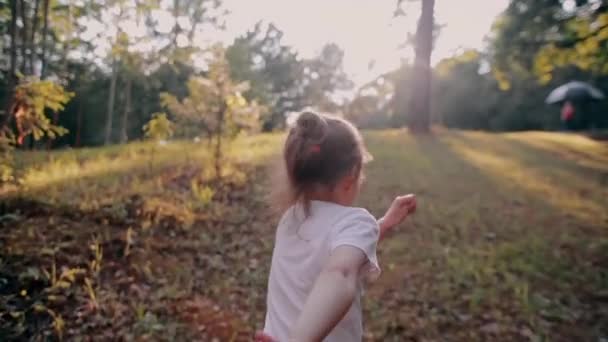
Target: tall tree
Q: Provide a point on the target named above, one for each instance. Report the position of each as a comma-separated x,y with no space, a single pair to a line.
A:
23,11
122,11
32,38
273,69
324,77
45,32
124,124
110,104
418,118
13,59
283,81
188,17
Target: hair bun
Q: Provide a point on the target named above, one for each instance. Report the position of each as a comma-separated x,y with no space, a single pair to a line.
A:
311,126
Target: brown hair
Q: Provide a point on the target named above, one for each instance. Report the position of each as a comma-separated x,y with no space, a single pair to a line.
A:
320,149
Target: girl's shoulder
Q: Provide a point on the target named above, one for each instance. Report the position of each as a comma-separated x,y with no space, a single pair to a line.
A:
337,211
328,213
339,215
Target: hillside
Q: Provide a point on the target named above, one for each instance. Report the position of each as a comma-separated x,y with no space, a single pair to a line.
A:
137,241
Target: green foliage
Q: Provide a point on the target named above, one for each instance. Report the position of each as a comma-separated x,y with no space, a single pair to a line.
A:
586,48
31,99
537,38
325,76
283,82
202,194
215,105
457,81
159,127
371,106
273,70
6,159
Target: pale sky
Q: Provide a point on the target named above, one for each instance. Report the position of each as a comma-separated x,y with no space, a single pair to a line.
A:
365,29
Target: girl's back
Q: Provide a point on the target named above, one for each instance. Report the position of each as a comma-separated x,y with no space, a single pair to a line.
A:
302,247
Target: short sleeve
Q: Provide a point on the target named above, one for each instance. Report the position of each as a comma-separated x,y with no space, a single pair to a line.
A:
358,228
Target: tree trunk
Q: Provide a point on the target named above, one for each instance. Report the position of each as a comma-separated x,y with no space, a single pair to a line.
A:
49,142
218,141
13,63
176,28
24,37
33,36
125,116
218,156
45,29
78,124
110,111
418,118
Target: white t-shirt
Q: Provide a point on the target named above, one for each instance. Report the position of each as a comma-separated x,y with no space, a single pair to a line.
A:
302,248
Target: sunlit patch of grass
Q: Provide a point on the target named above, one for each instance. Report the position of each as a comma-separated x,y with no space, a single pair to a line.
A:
94,176
512,173
42,169
577,148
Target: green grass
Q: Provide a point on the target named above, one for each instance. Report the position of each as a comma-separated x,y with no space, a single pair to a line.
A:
509,241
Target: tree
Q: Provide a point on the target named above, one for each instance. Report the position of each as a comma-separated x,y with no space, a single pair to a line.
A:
110,105
537,45
179,42
518,34
13,59
371,106
122,55
121,10
23,11
583,44
31,98
45,30
274,71
215,104
418,119
159,127
535,38
32,38
456,81
132,64
281,80
323,77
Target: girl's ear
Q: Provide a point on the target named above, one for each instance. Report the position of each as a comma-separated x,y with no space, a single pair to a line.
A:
350,180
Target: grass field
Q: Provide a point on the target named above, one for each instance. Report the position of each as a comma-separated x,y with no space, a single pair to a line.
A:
510,241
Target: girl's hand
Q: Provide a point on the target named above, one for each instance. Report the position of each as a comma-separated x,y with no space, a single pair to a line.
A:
401,207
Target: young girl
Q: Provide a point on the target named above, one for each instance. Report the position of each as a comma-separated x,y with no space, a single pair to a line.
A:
324,247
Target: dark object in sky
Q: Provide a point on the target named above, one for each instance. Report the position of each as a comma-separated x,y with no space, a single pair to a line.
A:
574,91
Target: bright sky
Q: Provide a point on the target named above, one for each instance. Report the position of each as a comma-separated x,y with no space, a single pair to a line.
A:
365,29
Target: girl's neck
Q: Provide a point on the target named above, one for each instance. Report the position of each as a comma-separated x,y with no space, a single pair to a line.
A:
325,195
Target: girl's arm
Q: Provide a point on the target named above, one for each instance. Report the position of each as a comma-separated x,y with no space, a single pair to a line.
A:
332,295
401,207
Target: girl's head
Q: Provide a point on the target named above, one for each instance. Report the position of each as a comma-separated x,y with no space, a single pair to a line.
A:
324,157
